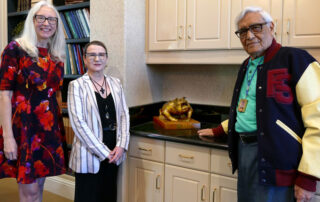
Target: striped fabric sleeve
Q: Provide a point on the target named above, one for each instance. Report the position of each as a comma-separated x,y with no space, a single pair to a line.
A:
80,126
308,95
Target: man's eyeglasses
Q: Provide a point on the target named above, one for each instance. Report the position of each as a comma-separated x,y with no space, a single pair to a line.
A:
41,19
92,56
255,29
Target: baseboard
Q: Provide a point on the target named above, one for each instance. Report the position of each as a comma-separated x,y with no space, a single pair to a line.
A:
62,185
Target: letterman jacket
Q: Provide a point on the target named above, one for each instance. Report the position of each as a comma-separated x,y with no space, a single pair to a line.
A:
88,150
288,117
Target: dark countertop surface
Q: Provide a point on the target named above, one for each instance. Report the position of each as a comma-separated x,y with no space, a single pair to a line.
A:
187,136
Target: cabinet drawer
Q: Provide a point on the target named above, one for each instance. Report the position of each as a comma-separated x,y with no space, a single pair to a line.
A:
188,156
221,163
147,148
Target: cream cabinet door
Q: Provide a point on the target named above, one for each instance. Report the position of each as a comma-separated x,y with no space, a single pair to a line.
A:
301,24
186,185
274,7
207,24
167,20
145,180
223,189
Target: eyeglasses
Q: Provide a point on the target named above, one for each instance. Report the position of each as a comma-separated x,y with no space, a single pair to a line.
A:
93,56
255,29
41,19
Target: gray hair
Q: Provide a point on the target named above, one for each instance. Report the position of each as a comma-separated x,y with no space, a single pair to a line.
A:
252,9
28,39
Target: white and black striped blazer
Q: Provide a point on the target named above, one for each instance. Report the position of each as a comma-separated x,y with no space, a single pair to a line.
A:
88,149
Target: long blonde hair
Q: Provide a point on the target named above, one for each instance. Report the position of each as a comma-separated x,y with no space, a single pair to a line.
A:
28,39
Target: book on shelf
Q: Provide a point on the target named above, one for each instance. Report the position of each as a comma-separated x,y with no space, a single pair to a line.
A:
71,26
65,26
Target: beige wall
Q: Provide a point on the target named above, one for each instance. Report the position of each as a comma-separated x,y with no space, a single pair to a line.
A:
3,24
121,25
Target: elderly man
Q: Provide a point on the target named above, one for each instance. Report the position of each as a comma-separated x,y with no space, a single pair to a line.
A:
274,121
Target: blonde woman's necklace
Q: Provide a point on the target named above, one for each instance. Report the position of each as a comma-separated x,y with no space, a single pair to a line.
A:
102,90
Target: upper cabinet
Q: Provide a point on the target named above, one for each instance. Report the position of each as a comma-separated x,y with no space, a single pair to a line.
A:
292,19
188,24
300,25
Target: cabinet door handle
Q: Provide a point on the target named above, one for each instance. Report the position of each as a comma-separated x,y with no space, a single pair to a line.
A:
185,156
145,149
229,164
288,27
213,193
275,27
189,31
158,182
203,194
180,32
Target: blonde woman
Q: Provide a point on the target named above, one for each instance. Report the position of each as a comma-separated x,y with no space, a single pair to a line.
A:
31,75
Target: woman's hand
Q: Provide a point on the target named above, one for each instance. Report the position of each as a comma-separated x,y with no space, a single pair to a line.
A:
205,132
115,154
10,148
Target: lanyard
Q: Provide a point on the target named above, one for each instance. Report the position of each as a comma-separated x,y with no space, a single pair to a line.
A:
250,80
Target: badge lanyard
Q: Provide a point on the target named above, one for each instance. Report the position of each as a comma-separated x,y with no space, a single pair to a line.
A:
244,102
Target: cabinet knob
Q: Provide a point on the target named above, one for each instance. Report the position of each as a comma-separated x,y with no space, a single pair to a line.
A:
158,182
145,149
186,156
189,31
203,194
180,32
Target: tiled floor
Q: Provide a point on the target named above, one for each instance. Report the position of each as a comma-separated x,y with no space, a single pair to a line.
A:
9,193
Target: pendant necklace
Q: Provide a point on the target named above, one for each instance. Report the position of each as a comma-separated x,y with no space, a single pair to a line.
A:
244,102
101,86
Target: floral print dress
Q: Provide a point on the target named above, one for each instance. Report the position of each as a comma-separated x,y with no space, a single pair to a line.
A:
36,118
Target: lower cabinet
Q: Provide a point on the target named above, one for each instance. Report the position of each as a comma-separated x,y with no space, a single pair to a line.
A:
223,189
145,180
186,185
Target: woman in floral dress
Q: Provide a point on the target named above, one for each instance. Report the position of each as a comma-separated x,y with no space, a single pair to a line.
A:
31,74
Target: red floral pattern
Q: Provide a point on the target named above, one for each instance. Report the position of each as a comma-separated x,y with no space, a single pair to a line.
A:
36,120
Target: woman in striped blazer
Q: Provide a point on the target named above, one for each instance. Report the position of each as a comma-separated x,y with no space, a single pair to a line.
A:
100,119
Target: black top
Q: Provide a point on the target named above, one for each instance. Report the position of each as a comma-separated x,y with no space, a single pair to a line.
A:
107,113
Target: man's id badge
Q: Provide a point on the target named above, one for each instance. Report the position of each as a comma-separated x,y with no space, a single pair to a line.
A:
242,105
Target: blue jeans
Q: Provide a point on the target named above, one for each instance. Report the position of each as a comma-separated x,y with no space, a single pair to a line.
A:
249,189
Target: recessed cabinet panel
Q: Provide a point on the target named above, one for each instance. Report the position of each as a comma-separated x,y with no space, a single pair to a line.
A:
146,181
207,24
301,27
167,24
223,189
274,7
186,185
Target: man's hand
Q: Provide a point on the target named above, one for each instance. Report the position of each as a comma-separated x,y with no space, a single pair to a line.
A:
10,148
302,195
205,132
115,154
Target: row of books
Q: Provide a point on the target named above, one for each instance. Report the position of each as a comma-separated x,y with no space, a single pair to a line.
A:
74,60
76,23
23,5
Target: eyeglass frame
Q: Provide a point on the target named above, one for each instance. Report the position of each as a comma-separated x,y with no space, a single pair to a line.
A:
92,56
250,28
46,18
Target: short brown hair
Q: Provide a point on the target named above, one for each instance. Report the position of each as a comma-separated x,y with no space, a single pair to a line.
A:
98,43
